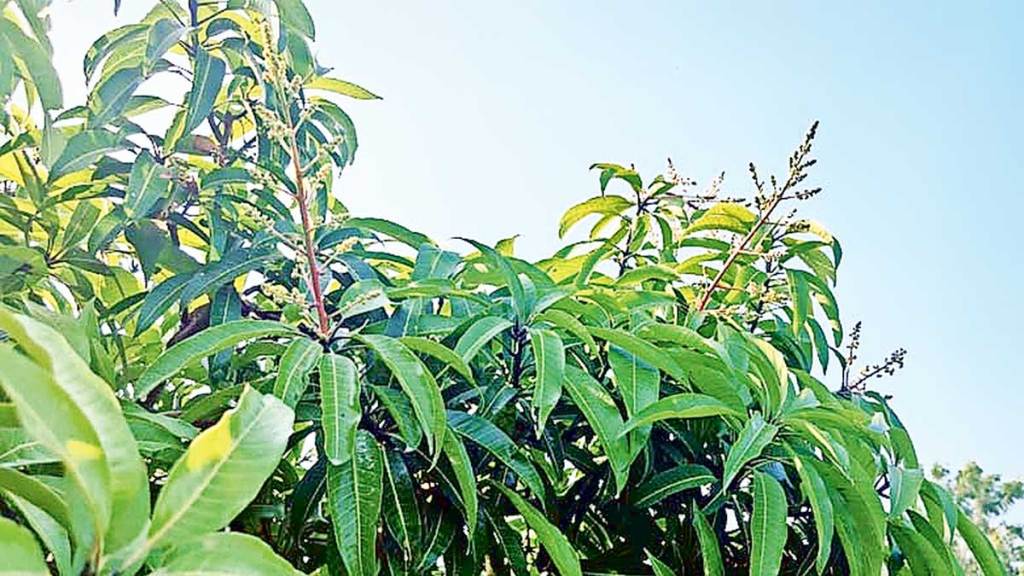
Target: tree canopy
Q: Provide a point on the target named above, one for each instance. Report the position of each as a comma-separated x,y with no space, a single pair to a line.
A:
209,366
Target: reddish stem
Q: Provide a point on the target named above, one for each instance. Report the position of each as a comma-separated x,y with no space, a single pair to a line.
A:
307,238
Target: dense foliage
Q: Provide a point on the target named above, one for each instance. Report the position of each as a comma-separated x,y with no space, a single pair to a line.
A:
199,337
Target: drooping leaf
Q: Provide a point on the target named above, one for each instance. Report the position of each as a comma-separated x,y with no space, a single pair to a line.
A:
457,456
293,372
488,436
549,355
354,499
980,546
603,415
401,512
339,404
711,555
816,492
752,440
767,526
669,483
417,383
564,556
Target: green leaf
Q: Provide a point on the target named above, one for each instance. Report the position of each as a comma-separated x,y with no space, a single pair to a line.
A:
203,344
417,383
753,439
440,352
726,216
816,492
206,82
609,205
37,63
82,150
51,418
639,384
293,371
80,224
684,405
567,322
128,478
551,538
982,549
224,554
295,16
604,418
163,34
53,536
670,482
400,408
339,405
478,335
800,294
213,275
36,492
222,470
149,182
659,567
341,87
386,227
924,559
642,349
711,555
401,513
488,436
512,281
354,500
111,95
159,300
458,457
549,355
904,487
21,555
767,526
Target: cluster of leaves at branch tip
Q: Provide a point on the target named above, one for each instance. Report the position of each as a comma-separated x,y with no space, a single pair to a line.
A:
209,366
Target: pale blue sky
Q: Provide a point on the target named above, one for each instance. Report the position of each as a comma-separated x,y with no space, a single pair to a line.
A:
493,111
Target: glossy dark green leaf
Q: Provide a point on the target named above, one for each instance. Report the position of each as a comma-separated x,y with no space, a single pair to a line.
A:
669,483
417,383
562,553
711,554
206,343
339,406
767,526
604,417
354,492
401,512
549,356
293,372
488,436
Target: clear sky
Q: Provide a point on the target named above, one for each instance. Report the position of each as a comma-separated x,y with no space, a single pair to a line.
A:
492,113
